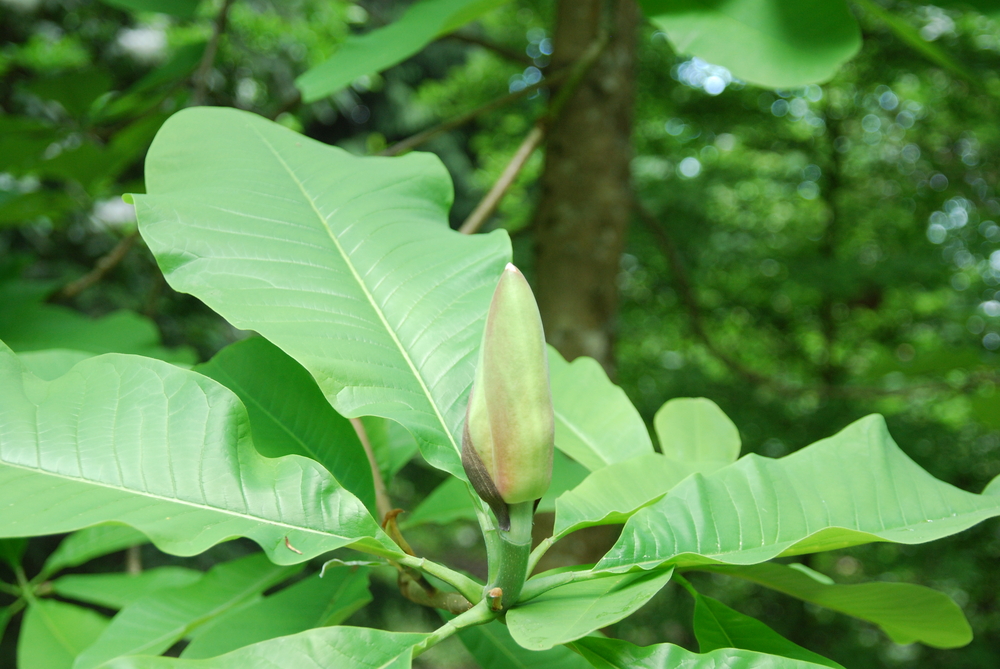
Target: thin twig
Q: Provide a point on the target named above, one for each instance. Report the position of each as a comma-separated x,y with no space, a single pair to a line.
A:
133,560
383,505
413,141
499,49
486,206
578,71
104,264
208,58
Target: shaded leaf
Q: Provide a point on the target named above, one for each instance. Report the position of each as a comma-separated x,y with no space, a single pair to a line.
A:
772,43
116,591
596,423
392,445
340,647
904,611
155,622
53,634
695,429
12,550
853,488
90,543
345,263
570,611
718,626
384,47
493,648
288,413
615,654
169,452
312,602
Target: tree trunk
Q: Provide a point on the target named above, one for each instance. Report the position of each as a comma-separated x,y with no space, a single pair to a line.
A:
586,197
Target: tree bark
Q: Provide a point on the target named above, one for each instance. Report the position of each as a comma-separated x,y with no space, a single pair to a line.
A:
585,205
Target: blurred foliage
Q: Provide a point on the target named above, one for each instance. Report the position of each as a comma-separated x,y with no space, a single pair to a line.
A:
805,257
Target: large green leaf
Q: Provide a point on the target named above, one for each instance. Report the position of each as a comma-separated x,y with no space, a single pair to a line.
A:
154,623
382,48
615,654
718,626
91,543
288,413
53,634
852,488
570,611
340,647
28,323
695,429
312,602
165,450
612,494
345,263
118,590
452,500
773,43
904,611
494,648
596,424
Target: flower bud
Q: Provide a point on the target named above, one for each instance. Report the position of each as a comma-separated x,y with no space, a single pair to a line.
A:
509,425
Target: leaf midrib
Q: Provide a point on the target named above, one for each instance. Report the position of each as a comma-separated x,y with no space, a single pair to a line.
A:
362,285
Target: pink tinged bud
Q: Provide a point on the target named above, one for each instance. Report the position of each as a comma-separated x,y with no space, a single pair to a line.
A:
508,440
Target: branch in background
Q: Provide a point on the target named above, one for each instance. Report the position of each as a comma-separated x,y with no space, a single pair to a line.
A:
383,505
208,58
518,57
489,203
104,264
457,121
133,560
577,72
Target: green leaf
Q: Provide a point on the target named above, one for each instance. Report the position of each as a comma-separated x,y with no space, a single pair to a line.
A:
12,550
615,654
28,323
718,626
169,452
392,445
612,494
345,263
772,43
289,414
695,429
340,647
53,634
853,488
74,91
596,424
494,648
183,9
93,542
906,612
570,611
911,37
27,207
116,591
382,48
154,623
52,363
452,501
312,602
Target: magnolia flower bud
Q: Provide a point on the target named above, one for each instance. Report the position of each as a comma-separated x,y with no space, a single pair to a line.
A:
509,426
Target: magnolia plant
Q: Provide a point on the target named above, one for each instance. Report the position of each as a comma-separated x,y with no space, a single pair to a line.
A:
383,332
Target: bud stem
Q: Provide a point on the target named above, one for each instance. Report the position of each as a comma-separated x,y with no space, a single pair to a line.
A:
510,567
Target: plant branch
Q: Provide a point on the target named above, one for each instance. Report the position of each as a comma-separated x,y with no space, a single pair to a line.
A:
383,505
684,583
104,264
539,552
468,587
416,140
477,615
577,72
9,589
499,49
208,58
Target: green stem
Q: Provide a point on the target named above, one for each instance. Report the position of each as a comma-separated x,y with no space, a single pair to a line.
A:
11,590
536,555
538,585
27,591
470,588
684,583
477,615
511,565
